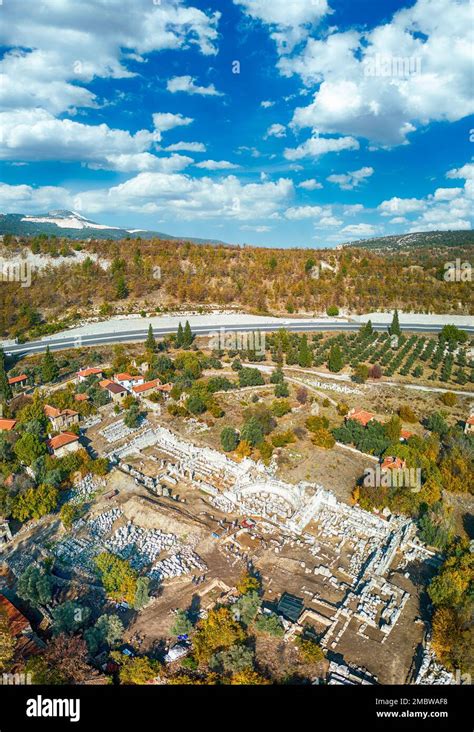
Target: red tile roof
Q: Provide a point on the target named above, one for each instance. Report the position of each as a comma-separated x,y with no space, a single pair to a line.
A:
147,386
7,424
53,412
91,371
393,463
16,620
406,434
81,397
17,379
125,377
65,438
361,415
471,420
164,387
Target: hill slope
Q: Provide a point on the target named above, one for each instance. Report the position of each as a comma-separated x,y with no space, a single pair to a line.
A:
428,239
72,225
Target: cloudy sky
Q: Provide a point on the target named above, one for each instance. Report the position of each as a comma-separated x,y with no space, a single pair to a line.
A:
273,122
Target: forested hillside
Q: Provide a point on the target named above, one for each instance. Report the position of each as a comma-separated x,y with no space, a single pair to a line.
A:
86,278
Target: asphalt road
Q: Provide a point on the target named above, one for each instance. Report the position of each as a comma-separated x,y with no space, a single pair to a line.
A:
64,341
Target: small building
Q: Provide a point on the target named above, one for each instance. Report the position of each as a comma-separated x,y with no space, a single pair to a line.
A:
116,392
405,435
361,416
81,397
469,426
63,444
86,373
145,389
393,463
165,389
290,607
7,425
18,382
27,643
127,380
61,418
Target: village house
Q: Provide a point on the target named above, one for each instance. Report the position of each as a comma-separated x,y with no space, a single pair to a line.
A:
469,426
127,380
361,416
405,435
27,642
393,463
116,392
144,390
63,444
86,373
7,425
61,418
81,397
142,366
18,382
165,389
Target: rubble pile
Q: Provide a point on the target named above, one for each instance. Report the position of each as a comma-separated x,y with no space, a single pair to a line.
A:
182,562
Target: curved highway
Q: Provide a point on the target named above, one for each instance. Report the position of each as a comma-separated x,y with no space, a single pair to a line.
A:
69,340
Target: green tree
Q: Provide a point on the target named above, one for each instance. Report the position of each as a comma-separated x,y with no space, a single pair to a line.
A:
118,578
5,388
35,502
187,335
252,431
305,357
335,360
69,617
150,343
49,367
271,625
179,336
394,328
142,596
35,585
121,289
107,632
229,439
138,670
181,624
332,311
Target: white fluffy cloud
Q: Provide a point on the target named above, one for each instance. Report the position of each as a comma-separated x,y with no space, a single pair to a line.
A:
217,165
169,195
445,209
36,135
358,230
290,20
196,147
186,84
349,181
400,206
164,121
58,45
316,146
426,50
276,130
310,185
303,212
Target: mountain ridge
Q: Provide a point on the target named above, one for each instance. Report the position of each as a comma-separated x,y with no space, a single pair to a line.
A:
72,225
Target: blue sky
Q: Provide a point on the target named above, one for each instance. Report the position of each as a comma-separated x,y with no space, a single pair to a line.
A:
272,122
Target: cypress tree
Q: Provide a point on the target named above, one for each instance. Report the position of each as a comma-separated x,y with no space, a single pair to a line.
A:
187,335
5,388
49,368
179,336
150,343
395,326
